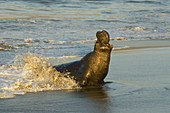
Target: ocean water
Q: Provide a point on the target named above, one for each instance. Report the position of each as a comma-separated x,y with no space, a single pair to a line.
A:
36,34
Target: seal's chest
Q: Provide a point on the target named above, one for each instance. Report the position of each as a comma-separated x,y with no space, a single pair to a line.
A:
99,66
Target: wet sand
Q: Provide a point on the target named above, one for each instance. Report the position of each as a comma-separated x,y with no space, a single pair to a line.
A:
141,44
139,83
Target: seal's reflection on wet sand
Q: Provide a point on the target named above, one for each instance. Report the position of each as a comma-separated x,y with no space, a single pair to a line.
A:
97,94
98,100
84,100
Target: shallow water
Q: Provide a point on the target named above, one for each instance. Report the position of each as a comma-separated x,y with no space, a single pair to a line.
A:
60,29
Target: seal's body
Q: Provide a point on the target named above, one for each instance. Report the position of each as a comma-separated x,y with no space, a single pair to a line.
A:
92,68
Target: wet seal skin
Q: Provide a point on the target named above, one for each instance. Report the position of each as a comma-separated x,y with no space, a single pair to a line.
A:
91,70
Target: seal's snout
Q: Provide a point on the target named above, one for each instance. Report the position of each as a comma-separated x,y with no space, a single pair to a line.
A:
103,38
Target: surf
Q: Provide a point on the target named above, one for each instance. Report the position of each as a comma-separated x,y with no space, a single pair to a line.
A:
32,73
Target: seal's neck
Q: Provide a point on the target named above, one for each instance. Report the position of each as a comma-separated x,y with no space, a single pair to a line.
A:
102,48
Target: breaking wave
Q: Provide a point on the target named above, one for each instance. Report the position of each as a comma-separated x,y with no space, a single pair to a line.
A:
4,46
145,2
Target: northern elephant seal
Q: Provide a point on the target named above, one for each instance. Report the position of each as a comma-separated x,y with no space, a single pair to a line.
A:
92,68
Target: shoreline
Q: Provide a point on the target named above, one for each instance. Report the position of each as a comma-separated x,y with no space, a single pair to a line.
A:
146,47
140,44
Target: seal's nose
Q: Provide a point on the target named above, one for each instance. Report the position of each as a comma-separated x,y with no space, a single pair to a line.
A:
98,33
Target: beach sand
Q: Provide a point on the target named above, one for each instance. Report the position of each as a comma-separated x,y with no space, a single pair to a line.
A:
139,79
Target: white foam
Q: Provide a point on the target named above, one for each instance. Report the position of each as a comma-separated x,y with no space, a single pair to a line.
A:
32,73
82,41
60,42
137,28
28,40
6,94
120,47
4,46
66,57
1,48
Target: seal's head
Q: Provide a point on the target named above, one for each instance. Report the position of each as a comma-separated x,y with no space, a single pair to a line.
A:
103,37
102,42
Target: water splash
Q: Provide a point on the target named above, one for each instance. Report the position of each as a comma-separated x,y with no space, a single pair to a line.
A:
32,73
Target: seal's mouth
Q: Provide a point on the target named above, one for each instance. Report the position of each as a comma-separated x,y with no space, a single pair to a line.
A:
106,46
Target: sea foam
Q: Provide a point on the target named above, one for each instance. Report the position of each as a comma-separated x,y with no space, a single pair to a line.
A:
32,73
